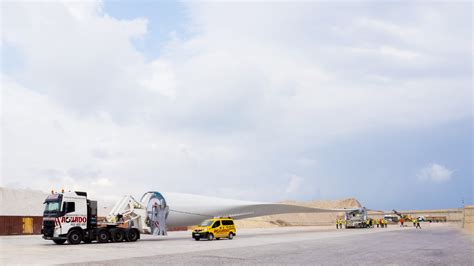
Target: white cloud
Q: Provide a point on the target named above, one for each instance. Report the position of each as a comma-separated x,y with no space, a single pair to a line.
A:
236,103
103,182
295,184
161,79
435,173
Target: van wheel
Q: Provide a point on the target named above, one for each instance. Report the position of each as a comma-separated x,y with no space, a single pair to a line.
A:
59,241
231,236
103,236
210,237
74,237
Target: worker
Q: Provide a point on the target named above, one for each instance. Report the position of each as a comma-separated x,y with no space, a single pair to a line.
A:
337,223
414,222
401,221
418,224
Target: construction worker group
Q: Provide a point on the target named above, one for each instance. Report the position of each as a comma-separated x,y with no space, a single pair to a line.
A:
416,222
370,223
339,223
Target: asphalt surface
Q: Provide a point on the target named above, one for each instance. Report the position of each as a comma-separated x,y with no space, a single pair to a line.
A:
434,244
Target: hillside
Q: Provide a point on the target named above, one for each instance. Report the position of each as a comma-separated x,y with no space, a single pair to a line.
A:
302,218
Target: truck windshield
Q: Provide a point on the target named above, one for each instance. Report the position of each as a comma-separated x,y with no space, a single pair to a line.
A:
206,223
51,206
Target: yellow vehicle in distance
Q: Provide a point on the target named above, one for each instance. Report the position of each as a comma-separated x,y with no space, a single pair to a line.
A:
215,228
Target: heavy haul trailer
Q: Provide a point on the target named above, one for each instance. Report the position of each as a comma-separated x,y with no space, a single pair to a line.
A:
71,217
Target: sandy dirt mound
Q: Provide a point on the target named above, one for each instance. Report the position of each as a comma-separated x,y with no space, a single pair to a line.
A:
301,218
27,202
21,202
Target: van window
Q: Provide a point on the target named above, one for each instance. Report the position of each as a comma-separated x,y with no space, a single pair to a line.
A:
216,224
227,222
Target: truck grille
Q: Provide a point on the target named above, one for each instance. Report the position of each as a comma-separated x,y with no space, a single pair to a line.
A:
48,228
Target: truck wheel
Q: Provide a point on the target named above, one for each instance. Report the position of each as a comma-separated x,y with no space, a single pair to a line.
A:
210,237
197,238
59,241
103,236
132,235
117,235
74,237
231,236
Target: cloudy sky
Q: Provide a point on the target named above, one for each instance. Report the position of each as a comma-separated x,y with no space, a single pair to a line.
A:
259,101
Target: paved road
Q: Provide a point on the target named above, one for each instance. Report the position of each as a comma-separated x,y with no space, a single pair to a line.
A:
437,244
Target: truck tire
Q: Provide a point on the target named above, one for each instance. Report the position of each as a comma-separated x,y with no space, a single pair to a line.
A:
117,235
103,236
59,241
132,235
74,237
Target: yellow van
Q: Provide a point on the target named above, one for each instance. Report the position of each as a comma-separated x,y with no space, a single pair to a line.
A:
215,228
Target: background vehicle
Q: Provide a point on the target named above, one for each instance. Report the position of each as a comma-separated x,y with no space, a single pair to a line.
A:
356,218
391,218
406,217
215,228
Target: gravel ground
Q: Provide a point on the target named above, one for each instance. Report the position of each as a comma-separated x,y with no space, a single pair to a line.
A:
434,244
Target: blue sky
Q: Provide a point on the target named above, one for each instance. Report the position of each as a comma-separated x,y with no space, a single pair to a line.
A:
165,19
258,101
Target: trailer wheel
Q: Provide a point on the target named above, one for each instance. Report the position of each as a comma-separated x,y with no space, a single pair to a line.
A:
59,241
103,236
132,235
74,237
117,235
